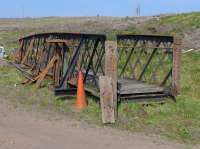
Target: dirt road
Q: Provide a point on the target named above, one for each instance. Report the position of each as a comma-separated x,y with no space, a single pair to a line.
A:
21,129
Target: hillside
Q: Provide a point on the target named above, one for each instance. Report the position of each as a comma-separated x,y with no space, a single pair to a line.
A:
185,25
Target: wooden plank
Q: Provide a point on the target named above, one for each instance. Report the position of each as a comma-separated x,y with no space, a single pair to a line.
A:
141,91
142,86
106,97
42,75
25,73
111,61
143,96
176,71
128,86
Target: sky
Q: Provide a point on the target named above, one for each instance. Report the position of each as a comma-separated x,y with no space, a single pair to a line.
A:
44,8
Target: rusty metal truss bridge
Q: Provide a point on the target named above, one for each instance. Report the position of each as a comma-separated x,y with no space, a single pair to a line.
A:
148,66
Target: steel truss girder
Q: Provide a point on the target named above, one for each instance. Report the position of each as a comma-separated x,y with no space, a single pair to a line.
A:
73,51
145,58
149,59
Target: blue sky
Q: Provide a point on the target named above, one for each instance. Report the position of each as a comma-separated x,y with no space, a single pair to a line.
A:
41,8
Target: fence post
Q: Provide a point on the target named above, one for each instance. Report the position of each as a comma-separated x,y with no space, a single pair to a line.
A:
108,84
106,97
176,66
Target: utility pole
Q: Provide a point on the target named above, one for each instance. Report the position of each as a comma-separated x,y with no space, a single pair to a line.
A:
138,11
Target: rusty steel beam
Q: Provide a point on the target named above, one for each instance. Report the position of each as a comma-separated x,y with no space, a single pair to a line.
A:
147,63
61,55
154,60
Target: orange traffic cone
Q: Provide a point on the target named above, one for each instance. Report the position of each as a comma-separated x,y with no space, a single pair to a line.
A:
81,101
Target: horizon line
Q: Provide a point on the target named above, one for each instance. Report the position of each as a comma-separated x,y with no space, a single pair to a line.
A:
156,15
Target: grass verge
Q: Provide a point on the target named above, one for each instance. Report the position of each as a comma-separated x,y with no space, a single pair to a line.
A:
179,121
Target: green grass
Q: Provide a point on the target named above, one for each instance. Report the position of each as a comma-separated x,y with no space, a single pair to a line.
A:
179,24
170,25
178,121
188,20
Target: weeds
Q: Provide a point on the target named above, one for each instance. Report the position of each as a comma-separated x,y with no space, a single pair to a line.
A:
180,120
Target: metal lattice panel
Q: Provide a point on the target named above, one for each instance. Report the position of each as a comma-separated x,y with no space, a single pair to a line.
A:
148,67
64,54
146,58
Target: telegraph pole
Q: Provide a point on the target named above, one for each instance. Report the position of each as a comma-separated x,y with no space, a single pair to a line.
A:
138,11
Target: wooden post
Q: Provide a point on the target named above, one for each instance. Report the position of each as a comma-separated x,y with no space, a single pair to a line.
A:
108,98
176,67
